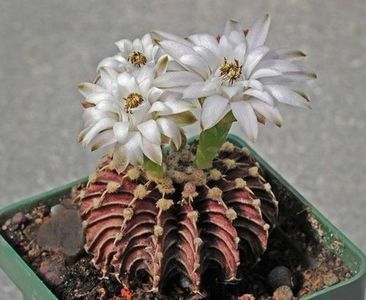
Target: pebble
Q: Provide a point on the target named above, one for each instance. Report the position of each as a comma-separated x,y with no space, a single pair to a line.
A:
38,221
330,278
283,293
280,276
52,271
246,297
19,218
62,231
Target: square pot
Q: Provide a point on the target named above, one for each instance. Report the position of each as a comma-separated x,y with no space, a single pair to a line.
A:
33,288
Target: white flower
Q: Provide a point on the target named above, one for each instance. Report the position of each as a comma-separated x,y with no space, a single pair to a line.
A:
128,112
133,55
235,72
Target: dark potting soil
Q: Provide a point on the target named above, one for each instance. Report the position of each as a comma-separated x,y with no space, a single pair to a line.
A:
294,265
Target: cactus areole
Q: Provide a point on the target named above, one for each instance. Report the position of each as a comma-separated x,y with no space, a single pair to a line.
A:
179,220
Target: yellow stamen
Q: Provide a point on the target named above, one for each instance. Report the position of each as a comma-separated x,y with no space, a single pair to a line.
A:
132,101
137,58
230,70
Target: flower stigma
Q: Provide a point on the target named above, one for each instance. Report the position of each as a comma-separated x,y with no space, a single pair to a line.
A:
133,100
137,58
230,70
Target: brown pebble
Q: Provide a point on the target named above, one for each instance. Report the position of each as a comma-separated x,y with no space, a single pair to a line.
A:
52,270
19,218
38,221
283,293
34,252
330,278
280,276
246,297
63,232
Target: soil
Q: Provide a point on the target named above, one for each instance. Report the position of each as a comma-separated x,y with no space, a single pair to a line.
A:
294,265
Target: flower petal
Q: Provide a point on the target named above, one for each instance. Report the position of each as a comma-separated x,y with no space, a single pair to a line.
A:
125,46
113,62
171,130
108,77
286,53
133,149
160,107
269,112
226,49
196,63
240,51
98,97
159,36
176,50
120,159
253,58
87,89
210,57
194,91
161,65
175,79
214,109
231,91
177,106
232,25
285,95
150,131
257,34
280,65
101,125
261,95
183,118
102,140
152,151
237,37
265,73
205,40
92,115
120,130
246,117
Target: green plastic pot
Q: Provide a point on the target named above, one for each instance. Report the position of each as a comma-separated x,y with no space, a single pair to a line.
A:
33,288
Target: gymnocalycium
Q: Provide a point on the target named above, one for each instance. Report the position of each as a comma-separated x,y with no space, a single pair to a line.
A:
177,220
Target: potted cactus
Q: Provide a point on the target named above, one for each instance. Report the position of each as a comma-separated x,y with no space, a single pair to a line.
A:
168,217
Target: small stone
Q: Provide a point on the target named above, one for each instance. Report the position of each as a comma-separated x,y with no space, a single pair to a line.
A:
52,270
280,276
283,293
246,297
34,252
38,221
19,218
330,278
63,231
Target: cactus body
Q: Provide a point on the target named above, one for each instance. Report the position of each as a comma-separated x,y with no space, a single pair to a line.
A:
175,234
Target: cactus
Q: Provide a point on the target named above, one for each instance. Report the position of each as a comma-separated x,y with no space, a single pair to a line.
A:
174,234
189,221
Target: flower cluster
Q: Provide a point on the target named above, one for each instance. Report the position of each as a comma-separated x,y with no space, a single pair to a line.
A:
145,94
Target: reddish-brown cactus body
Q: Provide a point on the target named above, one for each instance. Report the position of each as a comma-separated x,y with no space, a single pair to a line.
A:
169,234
